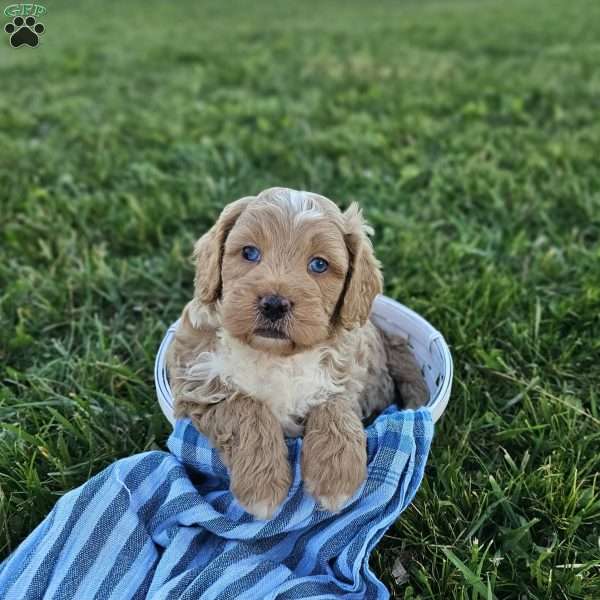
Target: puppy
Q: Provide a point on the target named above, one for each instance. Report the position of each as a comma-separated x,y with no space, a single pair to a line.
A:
277,341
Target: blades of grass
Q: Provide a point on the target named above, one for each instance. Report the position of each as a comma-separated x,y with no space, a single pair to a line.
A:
469,576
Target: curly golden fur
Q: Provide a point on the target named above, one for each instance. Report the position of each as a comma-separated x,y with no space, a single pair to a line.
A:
247,379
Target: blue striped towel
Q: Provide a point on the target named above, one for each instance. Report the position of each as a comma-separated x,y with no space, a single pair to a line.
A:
164,525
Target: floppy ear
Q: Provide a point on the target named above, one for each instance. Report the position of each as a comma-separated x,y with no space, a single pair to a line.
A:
364,280
208,252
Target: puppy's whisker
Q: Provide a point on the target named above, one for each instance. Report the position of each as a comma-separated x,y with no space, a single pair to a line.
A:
285,322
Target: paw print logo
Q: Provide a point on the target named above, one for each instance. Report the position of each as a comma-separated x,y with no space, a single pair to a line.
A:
24,31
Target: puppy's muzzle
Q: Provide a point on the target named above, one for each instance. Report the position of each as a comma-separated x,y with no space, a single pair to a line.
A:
274,307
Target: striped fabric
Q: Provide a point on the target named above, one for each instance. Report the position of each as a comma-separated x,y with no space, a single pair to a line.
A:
163,525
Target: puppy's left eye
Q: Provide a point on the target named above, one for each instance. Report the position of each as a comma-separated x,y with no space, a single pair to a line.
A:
318,265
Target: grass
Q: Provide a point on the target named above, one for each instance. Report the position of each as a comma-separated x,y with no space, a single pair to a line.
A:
468,130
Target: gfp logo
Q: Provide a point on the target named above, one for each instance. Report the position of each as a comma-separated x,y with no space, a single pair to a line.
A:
24,29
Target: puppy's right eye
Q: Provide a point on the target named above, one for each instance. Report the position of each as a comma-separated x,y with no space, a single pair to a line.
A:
251,253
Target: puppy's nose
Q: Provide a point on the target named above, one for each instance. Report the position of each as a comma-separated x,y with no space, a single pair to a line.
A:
273,307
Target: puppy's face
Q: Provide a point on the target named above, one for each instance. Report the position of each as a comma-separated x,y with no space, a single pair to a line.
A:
283,273
288,264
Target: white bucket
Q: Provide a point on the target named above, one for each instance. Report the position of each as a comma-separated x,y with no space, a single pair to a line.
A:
426,342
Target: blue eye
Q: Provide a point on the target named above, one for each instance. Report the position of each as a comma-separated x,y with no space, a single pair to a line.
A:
251,253
318,265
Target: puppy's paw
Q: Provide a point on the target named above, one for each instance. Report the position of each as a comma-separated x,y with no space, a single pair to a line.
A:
414,394
251,445
334,458
260,479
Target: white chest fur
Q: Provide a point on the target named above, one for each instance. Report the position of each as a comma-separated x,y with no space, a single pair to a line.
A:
289,385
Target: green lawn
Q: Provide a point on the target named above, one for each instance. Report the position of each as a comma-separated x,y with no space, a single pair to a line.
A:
470,133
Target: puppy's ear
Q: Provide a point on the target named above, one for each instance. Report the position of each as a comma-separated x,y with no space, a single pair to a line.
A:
364,280
208,252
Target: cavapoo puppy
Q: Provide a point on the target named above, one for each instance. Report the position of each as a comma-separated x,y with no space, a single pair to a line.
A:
277,341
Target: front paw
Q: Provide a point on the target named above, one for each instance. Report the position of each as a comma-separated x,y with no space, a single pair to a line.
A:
334,460
260,481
